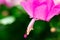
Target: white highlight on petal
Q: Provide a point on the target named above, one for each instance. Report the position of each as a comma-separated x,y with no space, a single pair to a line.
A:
30,26
7,20
56,2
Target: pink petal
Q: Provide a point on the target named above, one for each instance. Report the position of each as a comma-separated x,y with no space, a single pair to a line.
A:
28,8
30,5
8,3
11,3
36,0
41,12
54,11
41,1
50,3
1,1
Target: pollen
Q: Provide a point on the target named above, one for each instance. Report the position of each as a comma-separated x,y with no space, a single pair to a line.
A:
5,13
53,29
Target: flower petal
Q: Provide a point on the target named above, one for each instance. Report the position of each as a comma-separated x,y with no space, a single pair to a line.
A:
1,1
40,12
28,8
54,11
50,3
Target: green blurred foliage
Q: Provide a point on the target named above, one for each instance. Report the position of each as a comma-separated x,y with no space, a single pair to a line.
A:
16,30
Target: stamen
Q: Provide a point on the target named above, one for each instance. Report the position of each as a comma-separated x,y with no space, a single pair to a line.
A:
25,35
30,27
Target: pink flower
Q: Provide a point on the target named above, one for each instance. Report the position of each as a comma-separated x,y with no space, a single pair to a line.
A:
10,3
1,1
40,10
6,2
13,2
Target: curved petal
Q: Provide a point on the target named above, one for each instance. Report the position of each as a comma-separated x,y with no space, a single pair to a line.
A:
54,11
28,8
41,1
1,1
30,5
50,3
41,12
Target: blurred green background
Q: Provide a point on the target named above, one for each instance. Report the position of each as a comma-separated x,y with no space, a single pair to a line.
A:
14,21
